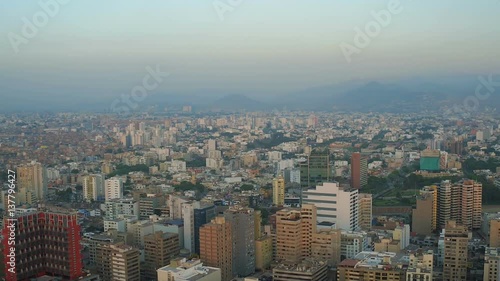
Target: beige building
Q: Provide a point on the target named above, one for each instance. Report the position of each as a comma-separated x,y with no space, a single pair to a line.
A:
307,270
188,270
32,182
492,264
118,262
495,233
159,249
263,253
424,215
325,246
365,211
279,191
461,202
421,266
216,246
456,239
372,266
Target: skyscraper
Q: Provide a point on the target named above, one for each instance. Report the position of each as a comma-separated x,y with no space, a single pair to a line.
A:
159,249
460,202
93,187
32,182
279,191
456,239
45,243
242,222
359,170
216,246
316,169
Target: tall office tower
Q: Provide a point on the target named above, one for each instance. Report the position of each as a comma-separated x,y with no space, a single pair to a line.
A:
491,264
456,239
279,191
118,262
32,179
242,222
203,213
365,211
359,170
336,204
316,169
421,266
93,187
216,246
159,249
425,215
45,243
460,202
212,144
495,233
113,188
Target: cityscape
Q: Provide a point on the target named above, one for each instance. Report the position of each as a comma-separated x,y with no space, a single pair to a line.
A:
222,141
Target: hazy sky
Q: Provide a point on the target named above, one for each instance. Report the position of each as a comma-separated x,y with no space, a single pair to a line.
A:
100,48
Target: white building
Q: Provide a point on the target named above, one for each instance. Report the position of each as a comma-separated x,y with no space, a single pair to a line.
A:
117,207
188,270
113,188
336,204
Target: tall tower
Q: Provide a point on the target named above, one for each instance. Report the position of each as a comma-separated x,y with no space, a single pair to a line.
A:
113,188
359,170
456,239
216,246
242,222
93,187
279,191
32,178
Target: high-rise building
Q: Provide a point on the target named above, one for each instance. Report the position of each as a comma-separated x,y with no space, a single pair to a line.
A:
93,187
45,243
492,264
203,214
32,182
326,246
212,144
460,202
426,208
113,188
456,239
216,246
188,270
242,222
494,232
335,204
159,249
118,262
316,169
279,191
263,252
365,211
359,170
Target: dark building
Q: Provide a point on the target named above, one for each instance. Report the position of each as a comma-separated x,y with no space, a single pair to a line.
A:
202,216
316,169
359,170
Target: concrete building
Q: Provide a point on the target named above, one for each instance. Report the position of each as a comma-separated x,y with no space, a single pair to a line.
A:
492,264
461,202
307,270
494,234
421,266
32,181
263,253
118,262
365,211
159,249
359,170
326,246
336,204
113,188
372,266
316,169
353,243
216,246
242,222
456,239
93,187
279,191
188,270
121,207
426,208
